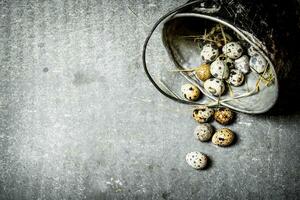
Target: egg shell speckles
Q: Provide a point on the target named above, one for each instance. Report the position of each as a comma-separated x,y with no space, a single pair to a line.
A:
196,160
190,92
227,61
258,63
252,51
209,53
202,113
223,137
236,77
233,50
203,73
224,115
203,132
219,70
214,86
242,64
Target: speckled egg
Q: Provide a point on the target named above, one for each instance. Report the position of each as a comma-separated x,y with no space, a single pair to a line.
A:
214,86
236,77
223,137
209,53
203,132
224,115
242,64
203,72
258,63
202,113
196,160
219,70
251,51
227,61
190,92
233,50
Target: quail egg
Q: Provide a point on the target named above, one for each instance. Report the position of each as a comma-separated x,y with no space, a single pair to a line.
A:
242,64
236,77
224,115
223,137
203,73
196,160
214,86
202,113
258,63
209,53
190,92
233,50
252,51
219,70
227,61
203,132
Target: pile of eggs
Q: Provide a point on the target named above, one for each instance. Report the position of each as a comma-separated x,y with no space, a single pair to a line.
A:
231,66
227,64
205,132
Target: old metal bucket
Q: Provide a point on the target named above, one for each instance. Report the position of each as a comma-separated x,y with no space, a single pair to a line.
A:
178,52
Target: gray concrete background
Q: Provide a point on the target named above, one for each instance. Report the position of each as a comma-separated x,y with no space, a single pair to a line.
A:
80,120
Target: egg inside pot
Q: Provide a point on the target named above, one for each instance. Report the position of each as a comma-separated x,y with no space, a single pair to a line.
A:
185,35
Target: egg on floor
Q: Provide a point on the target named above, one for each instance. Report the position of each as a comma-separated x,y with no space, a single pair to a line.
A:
190,92
223,137
224,115
258,63
214,86
202,113
233,50
196,160
203,132
242,64
236,77
219,70
203,72
209,53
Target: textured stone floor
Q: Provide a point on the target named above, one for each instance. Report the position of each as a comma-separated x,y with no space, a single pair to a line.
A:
80,120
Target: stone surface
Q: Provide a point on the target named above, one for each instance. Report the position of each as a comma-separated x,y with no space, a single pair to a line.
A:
80,120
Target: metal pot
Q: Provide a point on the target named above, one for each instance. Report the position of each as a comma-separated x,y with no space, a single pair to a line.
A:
246,19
